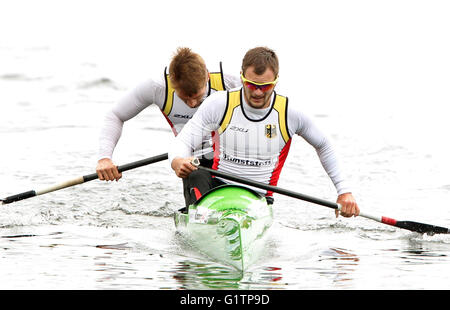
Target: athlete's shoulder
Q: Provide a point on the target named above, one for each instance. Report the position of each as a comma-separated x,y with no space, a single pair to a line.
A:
155,82
280,103
217,101
218,96
151,84
281,94
299,117
231,81
150,90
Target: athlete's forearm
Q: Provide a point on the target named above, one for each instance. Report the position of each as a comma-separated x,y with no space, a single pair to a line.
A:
178,149
330,163
130,105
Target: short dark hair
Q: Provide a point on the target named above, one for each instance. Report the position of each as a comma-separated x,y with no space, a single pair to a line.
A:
261,58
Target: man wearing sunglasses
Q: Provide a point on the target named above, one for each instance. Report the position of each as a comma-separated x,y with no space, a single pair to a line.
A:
178,95
252,133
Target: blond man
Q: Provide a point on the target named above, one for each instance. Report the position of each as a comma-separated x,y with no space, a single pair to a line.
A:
178,94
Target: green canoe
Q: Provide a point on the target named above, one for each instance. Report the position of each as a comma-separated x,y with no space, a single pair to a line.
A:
228,224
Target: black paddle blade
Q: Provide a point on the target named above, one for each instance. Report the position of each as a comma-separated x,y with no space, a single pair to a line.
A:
18,197
422,228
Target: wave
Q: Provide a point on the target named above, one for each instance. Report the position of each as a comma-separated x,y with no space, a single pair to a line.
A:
22,77
40,128
163,211
371,232
99,82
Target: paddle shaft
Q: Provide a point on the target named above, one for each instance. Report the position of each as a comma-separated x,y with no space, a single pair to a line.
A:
83,179
272,188
409,225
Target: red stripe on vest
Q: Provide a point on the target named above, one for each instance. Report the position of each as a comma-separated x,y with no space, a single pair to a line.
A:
216,149
170,123
276,172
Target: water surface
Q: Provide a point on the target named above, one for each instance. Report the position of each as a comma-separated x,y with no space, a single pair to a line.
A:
382,99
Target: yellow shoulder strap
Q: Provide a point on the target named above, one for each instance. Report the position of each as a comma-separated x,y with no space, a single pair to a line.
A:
280,106
216,80
234,100
168,102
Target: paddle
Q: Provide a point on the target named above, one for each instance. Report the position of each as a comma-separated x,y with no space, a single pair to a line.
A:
409,225
83,179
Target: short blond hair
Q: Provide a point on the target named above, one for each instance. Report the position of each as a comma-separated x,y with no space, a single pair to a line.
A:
187,71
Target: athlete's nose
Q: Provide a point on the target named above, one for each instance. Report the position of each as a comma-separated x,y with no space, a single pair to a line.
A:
258,92
192,102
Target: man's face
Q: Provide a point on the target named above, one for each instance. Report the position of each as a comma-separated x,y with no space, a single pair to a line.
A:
195,100
254,94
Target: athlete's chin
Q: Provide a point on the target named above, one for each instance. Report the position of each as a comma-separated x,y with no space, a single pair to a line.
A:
257,102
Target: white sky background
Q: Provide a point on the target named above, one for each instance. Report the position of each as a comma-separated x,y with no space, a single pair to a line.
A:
359,56
339,43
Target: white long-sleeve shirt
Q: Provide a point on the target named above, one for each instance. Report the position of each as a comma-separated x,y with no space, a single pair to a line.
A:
209,117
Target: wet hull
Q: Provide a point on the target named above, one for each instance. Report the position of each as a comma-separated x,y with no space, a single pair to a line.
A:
228,224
